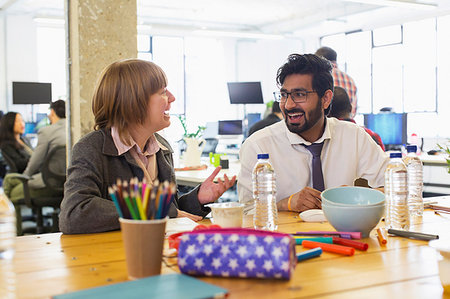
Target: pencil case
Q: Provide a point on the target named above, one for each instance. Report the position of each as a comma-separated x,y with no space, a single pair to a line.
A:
237,252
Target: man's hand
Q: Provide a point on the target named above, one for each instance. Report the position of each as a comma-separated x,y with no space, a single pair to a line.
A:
306,199
210,191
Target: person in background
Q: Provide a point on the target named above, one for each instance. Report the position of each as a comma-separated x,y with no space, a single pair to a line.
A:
308,151
342,110
340,78
48,138
15,148
270,119
130,105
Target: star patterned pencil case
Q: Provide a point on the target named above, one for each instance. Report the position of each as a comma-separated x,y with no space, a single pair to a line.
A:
237,252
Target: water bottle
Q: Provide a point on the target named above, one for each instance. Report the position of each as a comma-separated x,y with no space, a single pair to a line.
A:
7,228
396,191
264,194
415,184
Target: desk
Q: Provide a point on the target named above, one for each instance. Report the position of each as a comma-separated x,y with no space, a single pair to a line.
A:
193,178
53,263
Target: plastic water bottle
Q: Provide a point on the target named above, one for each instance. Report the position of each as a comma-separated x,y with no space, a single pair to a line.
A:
7,228
396,191
264,194
415,184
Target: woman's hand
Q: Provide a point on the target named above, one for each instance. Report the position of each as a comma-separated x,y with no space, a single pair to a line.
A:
210,191
188,215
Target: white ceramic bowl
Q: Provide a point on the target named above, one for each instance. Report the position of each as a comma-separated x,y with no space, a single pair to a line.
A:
227,214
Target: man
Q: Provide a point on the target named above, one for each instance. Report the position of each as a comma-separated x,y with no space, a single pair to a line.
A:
306,91
48,138
270,119
342,110
340,78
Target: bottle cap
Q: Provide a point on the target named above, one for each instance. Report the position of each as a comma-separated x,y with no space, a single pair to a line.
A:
411,148
395,155
263,156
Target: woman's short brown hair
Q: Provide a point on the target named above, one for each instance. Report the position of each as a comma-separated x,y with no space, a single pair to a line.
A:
122,94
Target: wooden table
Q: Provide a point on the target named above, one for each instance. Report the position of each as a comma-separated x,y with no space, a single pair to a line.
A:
54,263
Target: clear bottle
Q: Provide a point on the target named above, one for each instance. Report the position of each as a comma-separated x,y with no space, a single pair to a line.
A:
415,184
396,191
7,228
264,194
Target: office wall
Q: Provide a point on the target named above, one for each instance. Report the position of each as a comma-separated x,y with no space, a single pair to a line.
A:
2,62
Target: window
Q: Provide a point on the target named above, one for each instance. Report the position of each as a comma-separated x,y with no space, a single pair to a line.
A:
168,53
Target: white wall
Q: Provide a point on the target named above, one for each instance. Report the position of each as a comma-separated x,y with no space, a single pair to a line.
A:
259,60
21,57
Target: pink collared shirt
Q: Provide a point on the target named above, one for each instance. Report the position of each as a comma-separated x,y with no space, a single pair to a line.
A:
146,159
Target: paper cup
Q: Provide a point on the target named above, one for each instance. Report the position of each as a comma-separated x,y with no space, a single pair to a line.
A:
143,241
227,214
443,250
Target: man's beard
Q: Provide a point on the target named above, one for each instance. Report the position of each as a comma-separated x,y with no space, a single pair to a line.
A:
309,119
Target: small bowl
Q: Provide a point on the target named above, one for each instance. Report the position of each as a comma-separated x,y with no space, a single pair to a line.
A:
442,247
353,196
227,214
355,218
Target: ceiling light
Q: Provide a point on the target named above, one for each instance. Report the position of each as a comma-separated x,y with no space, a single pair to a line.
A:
237,34
397,3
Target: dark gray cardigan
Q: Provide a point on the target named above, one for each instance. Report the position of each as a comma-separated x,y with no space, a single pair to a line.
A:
95,166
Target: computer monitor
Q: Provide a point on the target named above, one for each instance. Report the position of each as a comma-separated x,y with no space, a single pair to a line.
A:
245,92
230,127
392,128
32,93
252,118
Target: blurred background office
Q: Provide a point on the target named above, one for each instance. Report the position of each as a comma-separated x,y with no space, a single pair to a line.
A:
396,51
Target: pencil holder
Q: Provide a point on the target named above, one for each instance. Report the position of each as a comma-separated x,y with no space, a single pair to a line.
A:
143,241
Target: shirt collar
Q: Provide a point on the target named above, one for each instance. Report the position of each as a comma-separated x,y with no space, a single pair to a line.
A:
151,148
297,139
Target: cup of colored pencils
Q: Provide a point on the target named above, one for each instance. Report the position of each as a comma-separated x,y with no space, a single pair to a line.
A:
143,210
141,201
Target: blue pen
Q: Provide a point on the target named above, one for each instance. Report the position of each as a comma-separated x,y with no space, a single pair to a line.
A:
116,202
309,254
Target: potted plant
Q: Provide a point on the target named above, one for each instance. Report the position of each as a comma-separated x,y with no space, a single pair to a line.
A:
194,144
447,150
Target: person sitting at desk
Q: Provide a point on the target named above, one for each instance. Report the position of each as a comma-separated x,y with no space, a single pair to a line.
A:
309,152
342,110
49,137
270,119
16,149
130,104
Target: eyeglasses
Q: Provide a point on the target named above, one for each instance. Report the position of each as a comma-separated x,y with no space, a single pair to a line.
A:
298,96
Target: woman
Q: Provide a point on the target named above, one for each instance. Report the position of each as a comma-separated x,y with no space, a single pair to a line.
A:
16,150
130,105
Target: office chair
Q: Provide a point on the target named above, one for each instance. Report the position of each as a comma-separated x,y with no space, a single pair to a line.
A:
10,164
54,175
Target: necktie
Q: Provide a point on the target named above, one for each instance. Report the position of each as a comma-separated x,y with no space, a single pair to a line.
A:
316,149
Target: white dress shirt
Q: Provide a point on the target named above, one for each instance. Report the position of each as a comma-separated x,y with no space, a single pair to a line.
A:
348,153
